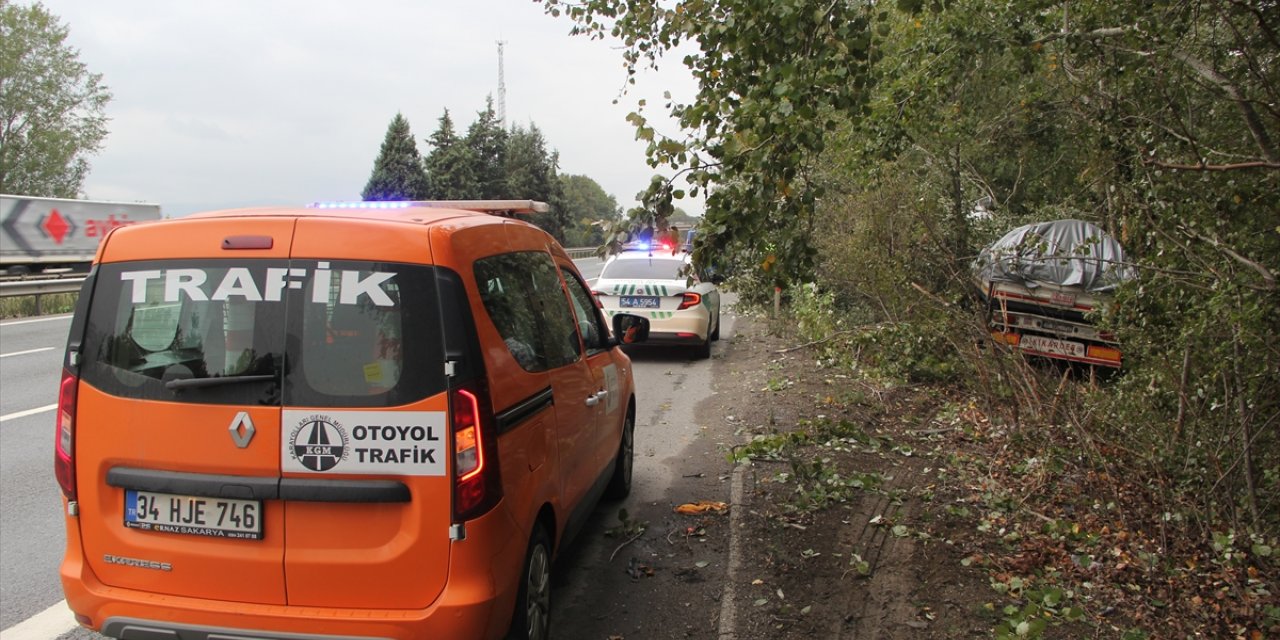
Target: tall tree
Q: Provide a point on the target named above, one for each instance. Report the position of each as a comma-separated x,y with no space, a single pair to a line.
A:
773,77
397,172
588,209
487,142
531,173
449,164
51,106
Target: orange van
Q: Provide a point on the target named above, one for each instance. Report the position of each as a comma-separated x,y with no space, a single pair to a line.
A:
370,420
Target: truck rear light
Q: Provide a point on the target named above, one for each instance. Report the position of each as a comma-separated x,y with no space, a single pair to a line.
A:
1103,353
690,299
64,461
477,486
1006,338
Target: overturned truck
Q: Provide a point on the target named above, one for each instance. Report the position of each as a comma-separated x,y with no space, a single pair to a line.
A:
1041,281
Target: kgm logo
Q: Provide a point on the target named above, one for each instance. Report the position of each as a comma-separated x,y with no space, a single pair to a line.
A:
319,443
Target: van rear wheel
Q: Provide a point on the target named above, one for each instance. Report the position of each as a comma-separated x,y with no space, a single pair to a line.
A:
620,484
532,617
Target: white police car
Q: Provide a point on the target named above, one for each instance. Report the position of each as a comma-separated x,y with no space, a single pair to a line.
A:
658,283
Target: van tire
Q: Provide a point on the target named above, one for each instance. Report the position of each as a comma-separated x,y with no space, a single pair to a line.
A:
532,617
620,484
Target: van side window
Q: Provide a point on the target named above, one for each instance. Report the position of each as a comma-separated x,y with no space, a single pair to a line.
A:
584,307
526,303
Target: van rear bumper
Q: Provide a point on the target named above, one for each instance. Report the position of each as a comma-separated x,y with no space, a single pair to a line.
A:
477,601
134,629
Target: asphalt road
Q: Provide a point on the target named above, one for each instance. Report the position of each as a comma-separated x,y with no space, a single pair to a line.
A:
31,536
670,385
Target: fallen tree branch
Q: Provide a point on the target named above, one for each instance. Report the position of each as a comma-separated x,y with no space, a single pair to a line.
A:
625,543
1267,277
1236,166
1096,34
931,295
810,344
1251,120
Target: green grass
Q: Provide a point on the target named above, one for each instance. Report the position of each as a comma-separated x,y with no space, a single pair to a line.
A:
24,306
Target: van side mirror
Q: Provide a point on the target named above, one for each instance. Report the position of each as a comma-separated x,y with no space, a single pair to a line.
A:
630,329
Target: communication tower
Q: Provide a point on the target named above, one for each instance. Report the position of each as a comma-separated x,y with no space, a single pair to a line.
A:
502,89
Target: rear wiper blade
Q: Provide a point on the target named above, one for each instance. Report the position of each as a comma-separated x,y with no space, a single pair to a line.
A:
197,383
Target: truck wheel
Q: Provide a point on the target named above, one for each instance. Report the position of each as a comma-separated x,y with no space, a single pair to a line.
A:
532,617
620,484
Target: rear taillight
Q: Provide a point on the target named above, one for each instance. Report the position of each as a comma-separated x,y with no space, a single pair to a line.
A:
691,299
64,461
477,486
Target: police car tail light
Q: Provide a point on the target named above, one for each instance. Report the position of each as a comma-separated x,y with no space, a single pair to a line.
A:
64,444
691,299
476,484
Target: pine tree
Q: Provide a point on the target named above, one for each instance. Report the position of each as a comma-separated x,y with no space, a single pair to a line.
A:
449,165
531,173
397,173
487,142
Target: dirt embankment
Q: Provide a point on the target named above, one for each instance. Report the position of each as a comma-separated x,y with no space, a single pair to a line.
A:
866,509
874,509
848,529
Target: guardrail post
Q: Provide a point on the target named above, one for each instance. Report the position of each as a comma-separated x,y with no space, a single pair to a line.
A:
38,311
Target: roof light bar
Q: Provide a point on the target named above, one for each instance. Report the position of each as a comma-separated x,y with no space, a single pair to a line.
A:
483,206
378,204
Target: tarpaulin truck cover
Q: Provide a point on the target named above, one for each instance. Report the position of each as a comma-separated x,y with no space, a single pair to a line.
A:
1067,253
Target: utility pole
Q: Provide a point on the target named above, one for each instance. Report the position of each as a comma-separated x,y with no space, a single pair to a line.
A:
502,89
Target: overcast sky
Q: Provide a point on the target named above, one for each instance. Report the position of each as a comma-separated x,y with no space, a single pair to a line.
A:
243,103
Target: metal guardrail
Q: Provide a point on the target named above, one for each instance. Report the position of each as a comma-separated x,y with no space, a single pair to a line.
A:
581,252
40,286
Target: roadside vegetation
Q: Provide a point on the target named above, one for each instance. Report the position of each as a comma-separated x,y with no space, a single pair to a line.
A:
23,306
857,156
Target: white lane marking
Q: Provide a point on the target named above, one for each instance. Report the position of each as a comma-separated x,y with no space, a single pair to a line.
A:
29,412
23,353
33,321
50,623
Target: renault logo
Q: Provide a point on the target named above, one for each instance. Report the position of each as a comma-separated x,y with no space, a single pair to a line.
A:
242,429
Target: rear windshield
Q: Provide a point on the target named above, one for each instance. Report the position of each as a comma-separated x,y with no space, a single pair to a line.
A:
642,269
301,333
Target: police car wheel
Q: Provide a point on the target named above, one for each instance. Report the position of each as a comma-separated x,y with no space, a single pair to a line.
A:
703,351
532,617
